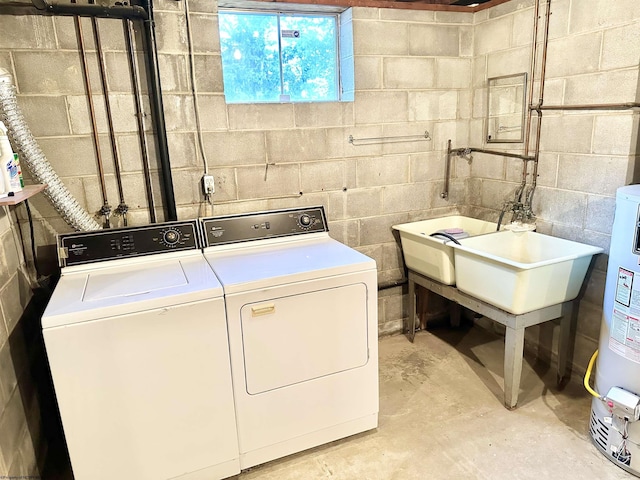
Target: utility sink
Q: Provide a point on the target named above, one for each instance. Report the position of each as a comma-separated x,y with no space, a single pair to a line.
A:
433,256
521,271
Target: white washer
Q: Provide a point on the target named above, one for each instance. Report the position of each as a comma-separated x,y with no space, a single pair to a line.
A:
302,320
136,337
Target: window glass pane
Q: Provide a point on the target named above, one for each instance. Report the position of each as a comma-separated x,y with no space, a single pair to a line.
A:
309,57
250,57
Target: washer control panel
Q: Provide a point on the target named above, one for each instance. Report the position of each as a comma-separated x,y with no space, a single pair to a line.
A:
103,245
261,225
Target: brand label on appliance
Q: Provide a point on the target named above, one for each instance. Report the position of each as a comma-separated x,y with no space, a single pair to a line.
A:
624,337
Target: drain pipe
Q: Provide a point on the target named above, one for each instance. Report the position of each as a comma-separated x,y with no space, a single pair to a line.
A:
35,160
157,111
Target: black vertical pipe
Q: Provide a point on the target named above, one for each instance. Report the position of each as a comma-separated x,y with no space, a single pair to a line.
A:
157,112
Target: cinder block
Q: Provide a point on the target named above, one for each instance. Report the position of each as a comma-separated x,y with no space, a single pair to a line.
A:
453,73
493,35
280,180
346,231
381,107
235,148
559,27
45,115
406,197
509,7
27,31
378,229
488,166
186,186
171,34
508,62
589,15
434,40
12,421
296,145
572,168
322,176
42,72
260,116
574,55
408,72
600,211
325,114
621,47
14,297
406,15
174,73
71,158
380,171
392,256
614,134
178,112
213,112
363,202
204,33
225,180
368,72
183,150
131,153
456,131
454,17
561,206
466,41
523,28
608,87
567,133
209,73
547,169
379,38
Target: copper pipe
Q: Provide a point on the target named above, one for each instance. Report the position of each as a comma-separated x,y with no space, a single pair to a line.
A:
527,130
106,209
534,179
594,106
459,151
135,81
122,207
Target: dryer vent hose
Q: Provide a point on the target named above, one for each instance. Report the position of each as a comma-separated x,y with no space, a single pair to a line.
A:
34,159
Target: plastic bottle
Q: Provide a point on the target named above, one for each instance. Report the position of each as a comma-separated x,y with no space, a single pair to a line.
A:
16,159
8,165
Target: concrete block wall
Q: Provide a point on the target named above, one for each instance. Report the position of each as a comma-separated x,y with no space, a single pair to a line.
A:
585,156
412,74
21,443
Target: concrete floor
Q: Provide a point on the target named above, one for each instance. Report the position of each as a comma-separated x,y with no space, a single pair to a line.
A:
442,417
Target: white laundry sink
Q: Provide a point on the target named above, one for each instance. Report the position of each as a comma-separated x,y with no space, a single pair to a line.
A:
433,256
521,271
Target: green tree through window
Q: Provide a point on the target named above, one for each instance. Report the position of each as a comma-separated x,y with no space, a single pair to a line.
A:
272,57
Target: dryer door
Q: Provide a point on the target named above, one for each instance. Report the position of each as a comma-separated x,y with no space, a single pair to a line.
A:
296,338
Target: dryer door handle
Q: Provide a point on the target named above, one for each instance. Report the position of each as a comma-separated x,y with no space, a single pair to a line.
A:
263,310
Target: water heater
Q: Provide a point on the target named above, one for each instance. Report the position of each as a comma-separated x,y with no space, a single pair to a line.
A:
614,424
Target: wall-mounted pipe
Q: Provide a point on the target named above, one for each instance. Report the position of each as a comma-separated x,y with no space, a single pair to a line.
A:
137,95
105,211
143,10
157,111
122,207
108,11
34,159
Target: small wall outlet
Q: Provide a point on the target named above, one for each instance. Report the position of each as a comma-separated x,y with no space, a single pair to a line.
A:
208,185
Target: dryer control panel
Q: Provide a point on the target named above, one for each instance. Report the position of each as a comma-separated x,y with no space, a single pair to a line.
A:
261,225
116,243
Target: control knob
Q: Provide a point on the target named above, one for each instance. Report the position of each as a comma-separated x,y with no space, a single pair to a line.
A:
171,237
304,220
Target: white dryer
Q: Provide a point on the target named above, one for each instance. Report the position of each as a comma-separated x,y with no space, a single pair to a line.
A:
302,320
136,338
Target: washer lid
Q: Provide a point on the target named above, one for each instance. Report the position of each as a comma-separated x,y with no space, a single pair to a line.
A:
123,288
251,266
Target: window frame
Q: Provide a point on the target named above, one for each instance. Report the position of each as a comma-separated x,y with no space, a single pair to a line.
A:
276,9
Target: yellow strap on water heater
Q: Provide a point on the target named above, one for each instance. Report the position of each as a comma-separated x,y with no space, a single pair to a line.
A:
587,376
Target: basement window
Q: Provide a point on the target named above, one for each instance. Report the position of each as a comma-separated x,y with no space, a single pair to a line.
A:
276,56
